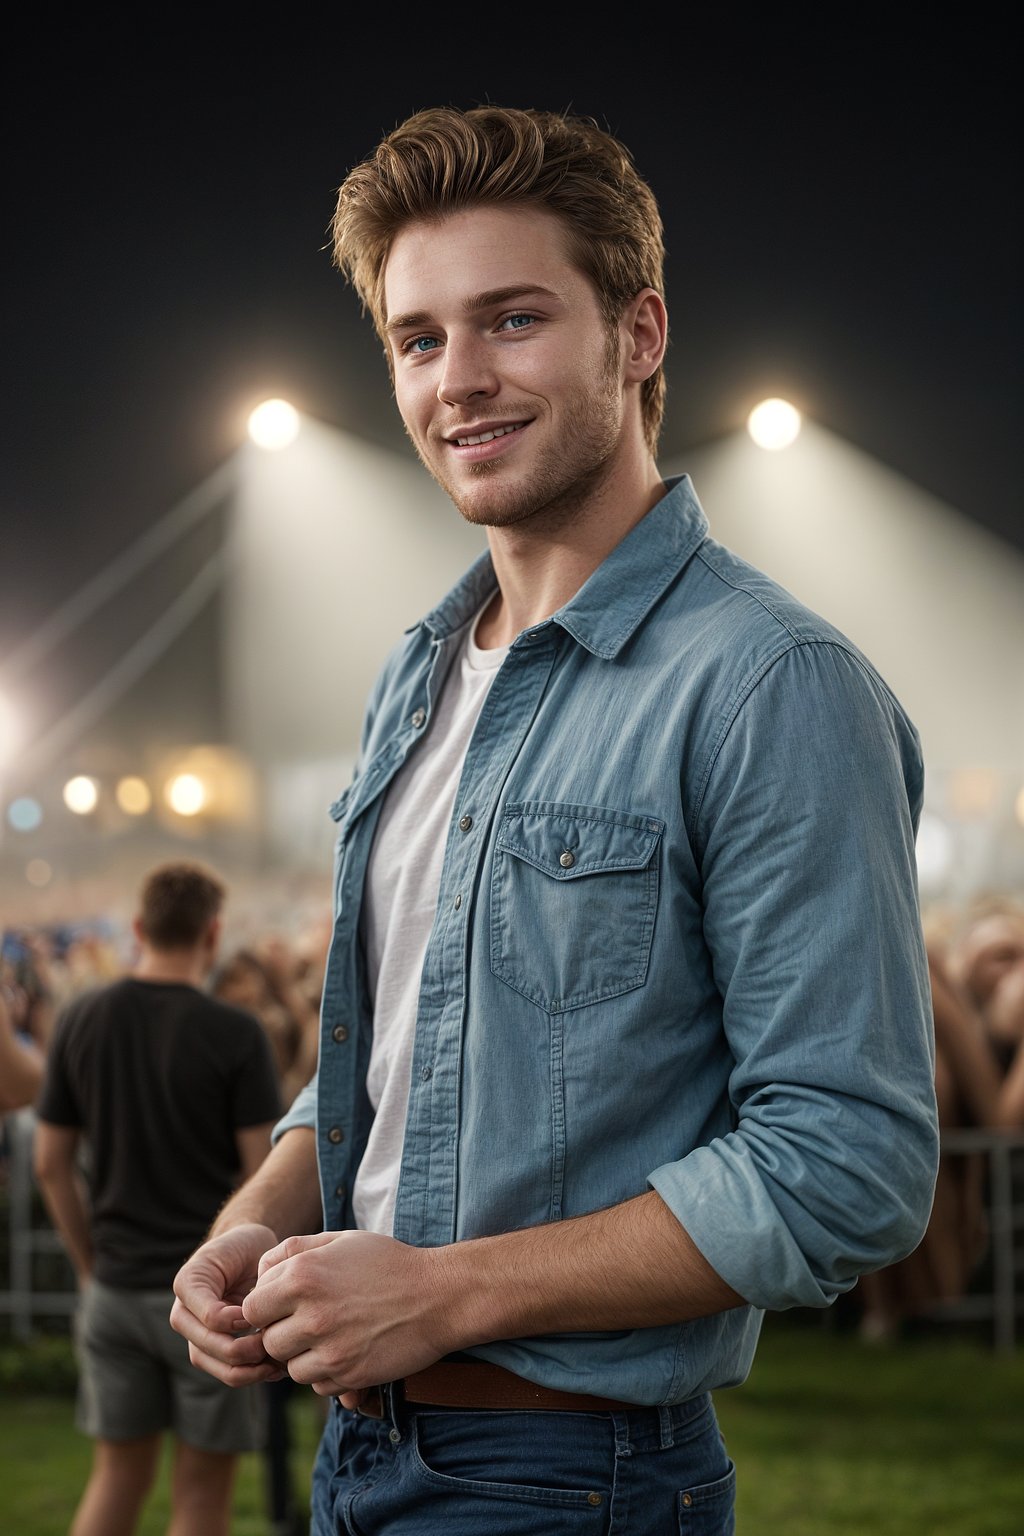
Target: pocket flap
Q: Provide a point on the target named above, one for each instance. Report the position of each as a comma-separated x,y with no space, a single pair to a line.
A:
567,841
372,779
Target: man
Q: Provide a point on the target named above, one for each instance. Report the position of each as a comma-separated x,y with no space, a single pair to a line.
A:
174,1096
625,1031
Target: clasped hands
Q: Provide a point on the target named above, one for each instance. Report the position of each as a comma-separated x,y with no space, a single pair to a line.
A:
339,1311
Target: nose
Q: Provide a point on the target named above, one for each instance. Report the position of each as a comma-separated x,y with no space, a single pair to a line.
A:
467,371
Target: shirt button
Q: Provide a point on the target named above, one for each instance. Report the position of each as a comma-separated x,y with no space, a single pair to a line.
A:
465,823
339,1033
594,1499
687,1500
426,1073
567,859
419,718
335,1135
458,902
341,1192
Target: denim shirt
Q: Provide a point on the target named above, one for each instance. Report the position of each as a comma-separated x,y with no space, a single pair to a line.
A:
677,946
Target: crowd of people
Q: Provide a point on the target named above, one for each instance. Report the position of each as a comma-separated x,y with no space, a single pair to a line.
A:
976,964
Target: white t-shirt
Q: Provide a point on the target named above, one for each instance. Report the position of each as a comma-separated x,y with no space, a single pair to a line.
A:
400,899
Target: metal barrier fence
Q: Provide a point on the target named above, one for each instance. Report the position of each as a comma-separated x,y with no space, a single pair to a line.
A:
996,1297
997,1294
28,1237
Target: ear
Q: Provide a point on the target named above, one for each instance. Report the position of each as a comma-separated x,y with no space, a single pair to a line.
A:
645,322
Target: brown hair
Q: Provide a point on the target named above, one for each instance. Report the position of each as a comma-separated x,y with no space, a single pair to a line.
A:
443,160
178,902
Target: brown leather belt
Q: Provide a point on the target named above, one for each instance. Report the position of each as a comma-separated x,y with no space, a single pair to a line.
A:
479,1384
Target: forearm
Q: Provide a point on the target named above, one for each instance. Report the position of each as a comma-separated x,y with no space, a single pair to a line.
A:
1010,1106
65,1199
629,1266
283,1194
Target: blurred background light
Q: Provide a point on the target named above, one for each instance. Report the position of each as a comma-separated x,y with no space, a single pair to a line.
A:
186,794
774,424
934,851
81,794
274,424
38,872
973,792
8,731
1019,806
133,796
24,814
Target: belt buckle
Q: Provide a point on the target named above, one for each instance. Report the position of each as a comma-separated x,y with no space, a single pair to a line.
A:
372,1404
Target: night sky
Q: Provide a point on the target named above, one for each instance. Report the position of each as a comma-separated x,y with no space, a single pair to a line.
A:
843,223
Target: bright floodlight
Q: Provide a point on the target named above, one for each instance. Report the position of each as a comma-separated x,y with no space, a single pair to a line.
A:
186,794
774,424
274,424
133,796
81,795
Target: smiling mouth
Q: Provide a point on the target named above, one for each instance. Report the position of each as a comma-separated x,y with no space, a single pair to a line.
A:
486,437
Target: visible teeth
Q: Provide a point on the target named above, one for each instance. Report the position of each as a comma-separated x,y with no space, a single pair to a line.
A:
485,437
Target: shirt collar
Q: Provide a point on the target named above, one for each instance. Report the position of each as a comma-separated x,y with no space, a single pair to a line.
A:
616,598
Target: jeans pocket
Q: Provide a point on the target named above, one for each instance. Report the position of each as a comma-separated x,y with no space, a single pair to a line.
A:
708,1509
574,894
518,1459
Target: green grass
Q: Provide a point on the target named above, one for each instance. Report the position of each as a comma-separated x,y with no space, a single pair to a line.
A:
835,1437
831,1437
44,1464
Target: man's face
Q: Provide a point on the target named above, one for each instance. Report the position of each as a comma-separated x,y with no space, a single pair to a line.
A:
507,378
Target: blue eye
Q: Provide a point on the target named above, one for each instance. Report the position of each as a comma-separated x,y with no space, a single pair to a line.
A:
518,322
421,344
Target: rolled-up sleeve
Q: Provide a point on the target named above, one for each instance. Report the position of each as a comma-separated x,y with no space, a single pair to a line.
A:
806,830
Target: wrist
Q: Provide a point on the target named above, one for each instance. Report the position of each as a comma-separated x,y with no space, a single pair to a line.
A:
240,1225
472,1295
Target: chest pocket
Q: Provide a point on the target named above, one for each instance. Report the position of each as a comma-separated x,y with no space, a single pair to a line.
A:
354,800
574,894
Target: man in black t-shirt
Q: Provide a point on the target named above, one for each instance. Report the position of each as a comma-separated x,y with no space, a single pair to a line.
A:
158,1101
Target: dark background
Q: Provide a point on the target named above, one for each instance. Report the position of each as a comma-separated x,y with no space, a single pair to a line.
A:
842,212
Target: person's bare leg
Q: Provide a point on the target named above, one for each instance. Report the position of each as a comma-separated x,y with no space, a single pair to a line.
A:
122,1475
202,1487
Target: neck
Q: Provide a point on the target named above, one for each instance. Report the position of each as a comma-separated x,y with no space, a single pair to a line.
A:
188,966
541,565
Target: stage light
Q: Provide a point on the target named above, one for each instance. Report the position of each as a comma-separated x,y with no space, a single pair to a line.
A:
774,424
24,814
186,794
81,794
38,872
133,796
1019,806
274,424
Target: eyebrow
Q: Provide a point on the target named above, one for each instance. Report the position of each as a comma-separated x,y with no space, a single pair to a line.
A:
474,303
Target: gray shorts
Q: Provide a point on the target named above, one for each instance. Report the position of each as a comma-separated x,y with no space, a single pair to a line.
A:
136,1379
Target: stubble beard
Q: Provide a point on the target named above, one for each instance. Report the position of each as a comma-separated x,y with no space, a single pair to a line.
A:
561,483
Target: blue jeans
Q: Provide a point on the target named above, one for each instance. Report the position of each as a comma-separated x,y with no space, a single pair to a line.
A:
472,1472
